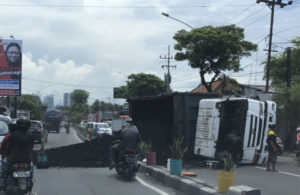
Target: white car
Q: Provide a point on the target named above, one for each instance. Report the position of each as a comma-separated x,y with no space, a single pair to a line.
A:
4,121
103,128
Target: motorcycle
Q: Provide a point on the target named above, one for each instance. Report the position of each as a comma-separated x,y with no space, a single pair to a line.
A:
19,179
67,130
127,165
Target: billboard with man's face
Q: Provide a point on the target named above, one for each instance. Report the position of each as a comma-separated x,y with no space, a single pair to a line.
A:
10,67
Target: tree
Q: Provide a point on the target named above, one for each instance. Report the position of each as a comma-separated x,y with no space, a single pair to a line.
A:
287,98
80,96
79,107
31,103
142,85
95,106
213,50
104,106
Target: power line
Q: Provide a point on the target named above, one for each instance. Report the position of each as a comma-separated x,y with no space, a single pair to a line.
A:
119,6
250,15
257,20
298,26
271,4
246,74
240,13
177,81
66,84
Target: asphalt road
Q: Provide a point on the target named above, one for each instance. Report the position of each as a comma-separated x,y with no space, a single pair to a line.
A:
284,182
91,181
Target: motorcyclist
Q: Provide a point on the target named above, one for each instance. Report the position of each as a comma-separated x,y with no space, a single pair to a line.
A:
19,148
67,126
129,138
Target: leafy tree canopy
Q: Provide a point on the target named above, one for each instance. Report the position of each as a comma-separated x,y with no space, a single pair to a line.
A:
79,107
278,72
288,98
213,49
80,96
104,106
31,103
143,85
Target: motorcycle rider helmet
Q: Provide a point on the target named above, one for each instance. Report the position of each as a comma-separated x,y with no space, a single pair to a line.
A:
12,126
23,123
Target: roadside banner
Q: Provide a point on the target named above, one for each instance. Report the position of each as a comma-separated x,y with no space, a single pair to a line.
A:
10,67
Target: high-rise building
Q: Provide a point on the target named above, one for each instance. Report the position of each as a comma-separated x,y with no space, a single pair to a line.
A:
67,99
49,101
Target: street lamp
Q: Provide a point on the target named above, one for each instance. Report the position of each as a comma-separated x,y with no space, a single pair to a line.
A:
167,15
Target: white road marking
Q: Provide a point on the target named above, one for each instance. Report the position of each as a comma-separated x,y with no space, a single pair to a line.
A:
150,186
283,172
76,136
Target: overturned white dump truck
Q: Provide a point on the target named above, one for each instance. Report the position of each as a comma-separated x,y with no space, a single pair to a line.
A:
248,118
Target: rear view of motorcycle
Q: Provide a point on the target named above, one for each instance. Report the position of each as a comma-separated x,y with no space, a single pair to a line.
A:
19,179
127,165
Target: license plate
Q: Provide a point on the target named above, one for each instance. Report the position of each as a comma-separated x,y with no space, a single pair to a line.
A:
21,174
131,159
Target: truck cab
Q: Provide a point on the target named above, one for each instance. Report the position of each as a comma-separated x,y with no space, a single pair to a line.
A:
247,118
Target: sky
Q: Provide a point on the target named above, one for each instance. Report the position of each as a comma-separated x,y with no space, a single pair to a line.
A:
95,44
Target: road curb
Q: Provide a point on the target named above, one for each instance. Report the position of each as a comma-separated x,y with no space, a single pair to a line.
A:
192,186
181,183
80,136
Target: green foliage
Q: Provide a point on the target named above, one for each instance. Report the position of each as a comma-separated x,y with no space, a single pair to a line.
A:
104,106
144,149
31,103
176,149
228,163
213,49
80,96
287,98
79,107
95,106
142,85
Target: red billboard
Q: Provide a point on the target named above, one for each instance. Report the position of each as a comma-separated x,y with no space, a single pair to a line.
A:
10,67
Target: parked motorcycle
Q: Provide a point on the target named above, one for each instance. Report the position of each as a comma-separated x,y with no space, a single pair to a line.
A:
18,181
127,165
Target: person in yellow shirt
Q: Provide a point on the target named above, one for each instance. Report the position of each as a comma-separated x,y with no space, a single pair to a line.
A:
272,148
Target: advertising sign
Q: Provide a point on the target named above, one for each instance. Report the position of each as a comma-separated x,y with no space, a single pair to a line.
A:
10,67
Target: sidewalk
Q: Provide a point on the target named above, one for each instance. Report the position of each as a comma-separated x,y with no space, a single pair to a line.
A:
192,185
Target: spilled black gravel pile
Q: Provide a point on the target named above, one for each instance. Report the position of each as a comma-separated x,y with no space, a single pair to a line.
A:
94,153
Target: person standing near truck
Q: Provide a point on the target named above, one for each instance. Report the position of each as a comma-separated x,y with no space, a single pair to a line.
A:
272,148
298,142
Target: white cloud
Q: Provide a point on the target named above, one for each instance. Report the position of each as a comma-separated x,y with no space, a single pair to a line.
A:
97,46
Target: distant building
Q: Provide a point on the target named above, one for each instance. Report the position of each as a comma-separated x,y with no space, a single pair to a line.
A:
49,101
228,87
67,99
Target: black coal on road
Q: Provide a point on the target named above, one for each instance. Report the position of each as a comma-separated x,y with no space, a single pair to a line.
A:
94,153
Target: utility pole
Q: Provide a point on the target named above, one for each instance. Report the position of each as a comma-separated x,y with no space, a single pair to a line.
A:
288,67
168,66
271,4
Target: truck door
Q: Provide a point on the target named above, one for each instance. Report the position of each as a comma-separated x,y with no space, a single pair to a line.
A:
207,128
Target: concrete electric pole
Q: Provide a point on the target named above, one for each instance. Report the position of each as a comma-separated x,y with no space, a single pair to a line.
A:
168,66
271,4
